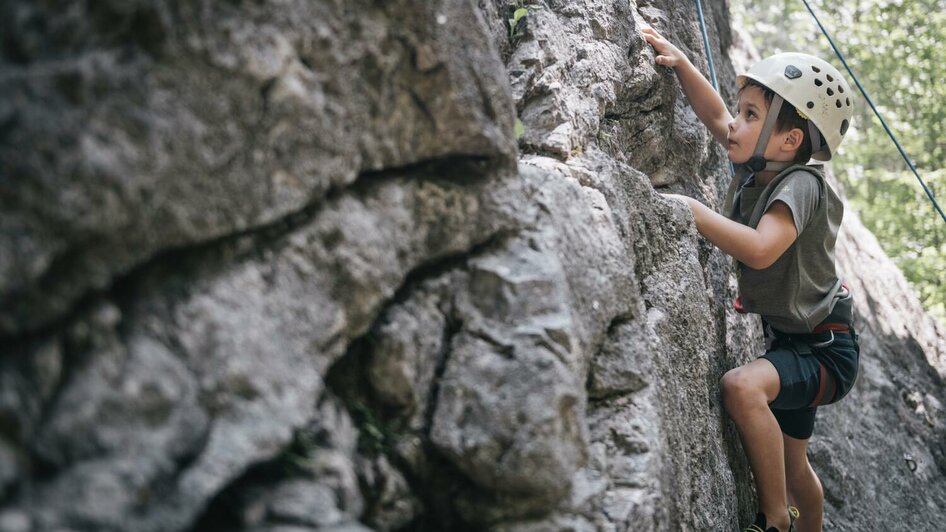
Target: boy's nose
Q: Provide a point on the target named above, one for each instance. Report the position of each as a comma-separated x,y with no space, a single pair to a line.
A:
732,125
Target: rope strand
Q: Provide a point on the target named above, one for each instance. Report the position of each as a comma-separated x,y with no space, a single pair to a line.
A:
709,60
706,45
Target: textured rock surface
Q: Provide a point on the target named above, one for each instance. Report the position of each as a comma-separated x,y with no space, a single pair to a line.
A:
130,129
282,266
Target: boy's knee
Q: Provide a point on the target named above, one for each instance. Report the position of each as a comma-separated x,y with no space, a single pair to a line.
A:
738,388
802,481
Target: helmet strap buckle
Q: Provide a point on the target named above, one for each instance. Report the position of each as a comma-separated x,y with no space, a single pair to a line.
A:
756,163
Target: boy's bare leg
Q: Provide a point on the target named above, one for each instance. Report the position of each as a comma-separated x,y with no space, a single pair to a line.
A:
747,391
803,486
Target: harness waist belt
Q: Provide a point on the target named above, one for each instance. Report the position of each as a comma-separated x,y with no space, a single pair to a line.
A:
836,327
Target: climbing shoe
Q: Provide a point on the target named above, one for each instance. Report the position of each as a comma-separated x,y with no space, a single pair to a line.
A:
759,525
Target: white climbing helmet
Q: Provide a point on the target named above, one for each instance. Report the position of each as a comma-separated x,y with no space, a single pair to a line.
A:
815,88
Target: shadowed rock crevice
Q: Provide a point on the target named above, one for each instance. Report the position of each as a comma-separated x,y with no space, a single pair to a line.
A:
160,296
311,483
394,430
382,427
183,263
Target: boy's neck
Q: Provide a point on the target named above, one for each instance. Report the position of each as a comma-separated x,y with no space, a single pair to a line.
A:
765,177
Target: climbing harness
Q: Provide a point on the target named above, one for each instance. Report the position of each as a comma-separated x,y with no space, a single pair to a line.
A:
870,102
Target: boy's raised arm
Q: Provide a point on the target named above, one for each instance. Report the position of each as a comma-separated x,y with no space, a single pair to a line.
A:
707,103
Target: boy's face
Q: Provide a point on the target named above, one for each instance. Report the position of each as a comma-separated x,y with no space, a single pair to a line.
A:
746,126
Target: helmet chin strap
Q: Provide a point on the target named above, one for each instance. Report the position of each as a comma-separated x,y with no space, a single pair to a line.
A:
757,162
815,137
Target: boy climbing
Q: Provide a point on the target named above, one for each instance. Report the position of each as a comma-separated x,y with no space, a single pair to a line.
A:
781,223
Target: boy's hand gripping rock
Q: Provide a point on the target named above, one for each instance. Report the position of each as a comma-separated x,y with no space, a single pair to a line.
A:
667,54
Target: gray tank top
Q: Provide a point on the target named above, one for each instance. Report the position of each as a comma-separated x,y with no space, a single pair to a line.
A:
802,287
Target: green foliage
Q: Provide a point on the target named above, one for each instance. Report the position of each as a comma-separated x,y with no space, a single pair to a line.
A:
299,456
894,47
898,212
375,437
514,21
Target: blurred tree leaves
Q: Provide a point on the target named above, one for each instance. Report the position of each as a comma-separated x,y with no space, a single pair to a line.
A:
896,49
895,208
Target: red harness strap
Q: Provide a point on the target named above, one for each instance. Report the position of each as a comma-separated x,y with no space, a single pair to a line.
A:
836,327
826,389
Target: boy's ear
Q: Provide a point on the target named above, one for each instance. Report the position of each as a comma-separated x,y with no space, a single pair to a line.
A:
794,139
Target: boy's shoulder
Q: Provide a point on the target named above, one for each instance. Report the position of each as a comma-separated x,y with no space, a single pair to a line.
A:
807,177
816,171
801,177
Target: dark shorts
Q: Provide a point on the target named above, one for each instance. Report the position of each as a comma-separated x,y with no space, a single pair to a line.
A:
811,376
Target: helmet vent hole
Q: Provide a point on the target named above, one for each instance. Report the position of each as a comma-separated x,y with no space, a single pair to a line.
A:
816,69
830,92
811,105
848,101
818,82
838,103
829,77
840,88
844,126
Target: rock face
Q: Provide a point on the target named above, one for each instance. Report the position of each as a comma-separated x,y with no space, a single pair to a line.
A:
282,266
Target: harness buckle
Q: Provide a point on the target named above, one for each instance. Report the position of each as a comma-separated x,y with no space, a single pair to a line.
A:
820,345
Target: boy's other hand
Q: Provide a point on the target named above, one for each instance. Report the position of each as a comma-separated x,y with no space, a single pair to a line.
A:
667,54
679,197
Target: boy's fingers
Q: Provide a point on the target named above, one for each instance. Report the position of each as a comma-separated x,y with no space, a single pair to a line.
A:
655,41
650,31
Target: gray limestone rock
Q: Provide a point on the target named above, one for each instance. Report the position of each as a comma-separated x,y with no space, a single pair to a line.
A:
280,266
131,130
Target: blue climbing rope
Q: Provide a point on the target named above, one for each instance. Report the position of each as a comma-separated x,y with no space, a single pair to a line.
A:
706,45
709,59
870,102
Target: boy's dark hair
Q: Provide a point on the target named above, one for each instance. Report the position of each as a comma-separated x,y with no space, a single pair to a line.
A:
788,119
